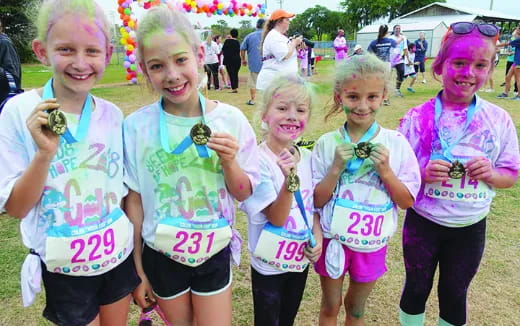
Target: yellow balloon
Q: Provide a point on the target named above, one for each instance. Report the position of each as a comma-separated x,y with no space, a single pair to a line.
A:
122,30
130,47
220,6
122,41
131,24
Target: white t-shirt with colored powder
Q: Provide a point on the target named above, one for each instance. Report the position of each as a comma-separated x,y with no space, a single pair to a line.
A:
271,180
274,50
491,134
365,186
84,184
185,185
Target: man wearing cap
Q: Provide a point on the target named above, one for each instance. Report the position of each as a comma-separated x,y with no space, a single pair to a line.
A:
278,51
251,44
340,46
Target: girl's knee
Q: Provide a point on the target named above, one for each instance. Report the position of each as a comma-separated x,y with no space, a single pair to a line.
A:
330,307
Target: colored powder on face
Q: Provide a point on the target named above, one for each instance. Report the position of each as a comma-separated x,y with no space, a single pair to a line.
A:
346,109
277,95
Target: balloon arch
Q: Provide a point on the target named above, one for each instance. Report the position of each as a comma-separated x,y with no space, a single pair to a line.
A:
207,7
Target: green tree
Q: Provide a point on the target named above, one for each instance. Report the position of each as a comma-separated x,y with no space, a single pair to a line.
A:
245,28
18,26
220,28
360,12
315,22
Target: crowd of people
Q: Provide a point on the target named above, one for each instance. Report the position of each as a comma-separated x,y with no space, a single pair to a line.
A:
143,206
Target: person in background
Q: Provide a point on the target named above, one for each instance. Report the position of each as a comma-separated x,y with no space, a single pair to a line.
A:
421,47
409,67
510,60
358,49
251,46
402,50
340,46
221,68
278,51
211,51
231,52
514,72
382,47
10,69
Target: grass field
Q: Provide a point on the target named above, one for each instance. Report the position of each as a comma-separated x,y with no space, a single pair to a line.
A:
494,296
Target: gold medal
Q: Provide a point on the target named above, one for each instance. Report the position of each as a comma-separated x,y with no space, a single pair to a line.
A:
362,150
292,182
457,170
57,122
200,134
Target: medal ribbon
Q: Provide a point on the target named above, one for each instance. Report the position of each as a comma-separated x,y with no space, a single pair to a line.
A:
354,164
84,120
301,206
446,149
202,150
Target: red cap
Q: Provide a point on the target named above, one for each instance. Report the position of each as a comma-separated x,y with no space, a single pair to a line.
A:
280,13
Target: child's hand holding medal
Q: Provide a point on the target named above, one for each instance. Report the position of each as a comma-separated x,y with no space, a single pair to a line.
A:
287,162
39,126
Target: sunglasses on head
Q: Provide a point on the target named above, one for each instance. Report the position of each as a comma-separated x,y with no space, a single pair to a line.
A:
468,27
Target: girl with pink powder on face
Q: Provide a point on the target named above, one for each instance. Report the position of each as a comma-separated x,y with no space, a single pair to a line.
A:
466,147
283,231
67,189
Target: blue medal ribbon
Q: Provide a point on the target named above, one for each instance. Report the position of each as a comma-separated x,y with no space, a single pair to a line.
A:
354,164
301,206
446,149
202,150
84,120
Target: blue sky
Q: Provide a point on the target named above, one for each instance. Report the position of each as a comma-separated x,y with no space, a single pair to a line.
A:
511,7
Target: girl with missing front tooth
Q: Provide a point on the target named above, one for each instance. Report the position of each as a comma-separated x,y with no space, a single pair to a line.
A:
188,158
281,214
363,173
62,174
465,147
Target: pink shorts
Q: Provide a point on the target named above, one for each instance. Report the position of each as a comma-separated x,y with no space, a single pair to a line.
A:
362,266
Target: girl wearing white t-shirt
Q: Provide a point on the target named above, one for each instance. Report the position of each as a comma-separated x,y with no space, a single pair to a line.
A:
188,159
211,61
363,173
282,235
62,174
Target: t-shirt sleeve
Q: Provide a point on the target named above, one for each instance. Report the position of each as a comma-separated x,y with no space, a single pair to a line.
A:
247,156
264,194
405,128
409,173
13,154
371,47
318,166
243,46
131,178
509,156
515,43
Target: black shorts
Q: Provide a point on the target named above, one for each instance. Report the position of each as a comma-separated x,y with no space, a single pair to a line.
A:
75,300
170,279
419,67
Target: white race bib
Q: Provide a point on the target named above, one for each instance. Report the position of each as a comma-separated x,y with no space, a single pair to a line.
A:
282,249
189,242
463,189
80,251
360,226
